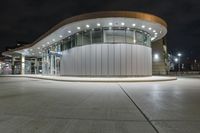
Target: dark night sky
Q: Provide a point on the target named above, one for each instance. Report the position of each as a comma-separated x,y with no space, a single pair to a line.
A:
26,20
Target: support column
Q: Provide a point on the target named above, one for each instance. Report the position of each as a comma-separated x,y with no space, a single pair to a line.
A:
13,65
22,59
36,66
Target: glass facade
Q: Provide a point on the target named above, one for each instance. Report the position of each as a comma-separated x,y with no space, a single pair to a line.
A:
106,35
115,35
51,58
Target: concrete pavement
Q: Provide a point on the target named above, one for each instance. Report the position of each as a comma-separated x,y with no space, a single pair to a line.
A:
44,106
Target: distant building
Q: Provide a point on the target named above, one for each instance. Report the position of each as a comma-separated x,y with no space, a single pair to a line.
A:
161,64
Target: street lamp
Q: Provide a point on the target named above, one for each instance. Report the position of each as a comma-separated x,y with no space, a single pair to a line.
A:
156,57
179,63
176,59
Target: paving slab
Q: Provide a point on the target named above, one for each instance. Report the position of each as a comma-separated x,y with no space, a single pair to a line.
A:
68,100
177,126
22,124
175,100
172,107
43,106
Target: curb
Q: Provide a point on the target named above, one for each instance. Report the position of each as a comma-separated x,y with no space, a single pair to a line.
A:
95,80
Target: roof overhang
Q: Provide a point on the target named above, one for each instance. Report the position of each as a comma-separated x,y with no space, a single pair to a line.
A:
156,24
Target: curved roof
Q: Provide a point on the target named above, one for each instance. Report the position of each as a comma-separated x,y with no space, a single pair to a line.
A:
95,15
105,14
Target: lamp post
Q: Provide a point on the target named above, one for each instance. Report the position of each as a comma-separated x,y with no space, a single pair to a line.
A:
176,60
179,63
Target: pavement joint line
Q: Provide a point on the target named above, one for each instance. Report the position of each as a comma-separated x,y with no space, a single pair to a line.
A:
67,118
148,120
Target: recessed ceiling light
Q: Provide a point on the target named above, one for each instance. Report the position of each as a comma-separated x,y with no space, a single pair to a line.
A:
156,33
133,25
39,52
78,28
60,36
43,45
69,31
150,28
53,40
154,30
98,24
110,23
128,28
48,43
87,26
38,47
143,26
122,23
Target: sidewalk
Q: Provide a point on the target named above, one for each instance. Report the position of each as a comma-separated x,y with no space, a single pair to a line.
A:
97,79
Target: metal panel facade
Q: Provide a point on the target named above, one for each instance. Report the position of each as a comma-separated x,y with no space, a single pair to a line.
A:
107,60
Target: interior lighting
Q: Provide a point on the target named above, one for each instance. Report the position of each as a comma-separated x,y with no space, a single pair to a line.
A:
87,26
122,23
98,24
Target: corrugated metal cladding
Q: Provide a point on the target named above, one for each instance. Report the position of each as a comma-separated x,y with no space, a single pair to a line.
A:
107,60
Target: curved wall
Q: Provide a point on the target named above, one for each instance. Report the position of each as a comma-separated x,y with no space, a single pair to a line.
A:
107,60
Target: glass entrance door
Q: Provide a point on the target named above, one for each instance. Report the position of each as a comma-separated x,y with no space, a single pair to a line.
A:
57,65
51,60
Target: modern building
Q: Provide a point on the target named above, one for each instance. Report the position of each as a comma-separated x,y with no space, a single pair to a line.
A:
111,43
